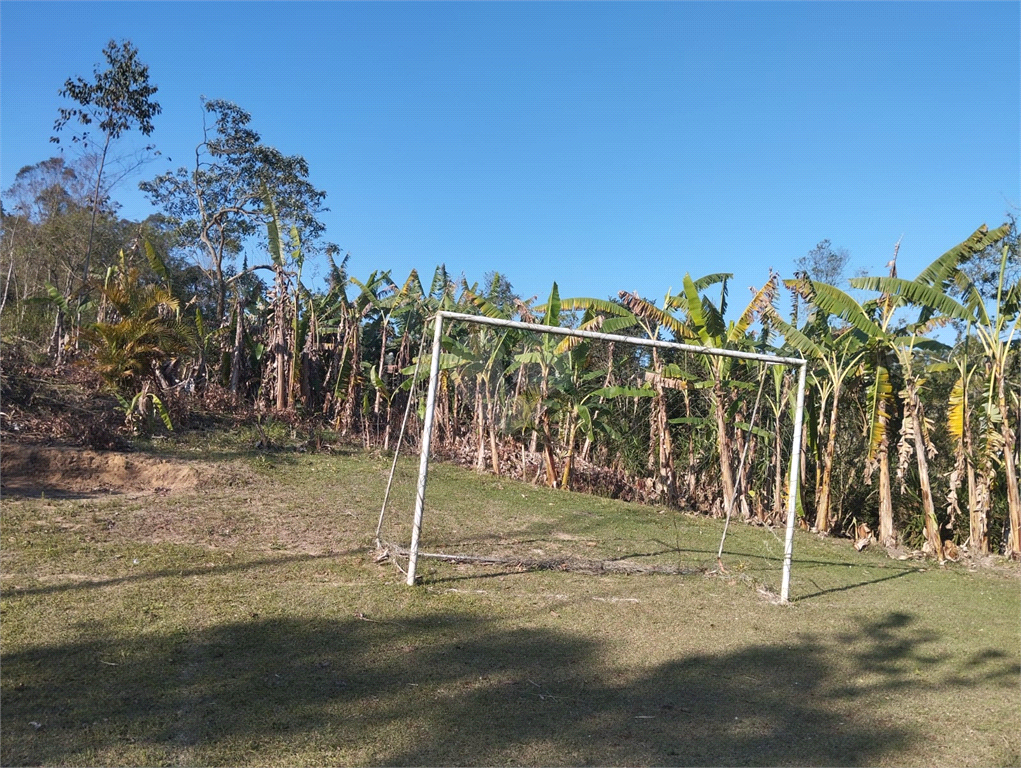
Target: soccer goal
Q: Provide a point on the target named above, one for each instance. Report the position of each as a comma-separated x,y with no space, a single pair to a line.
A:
677,426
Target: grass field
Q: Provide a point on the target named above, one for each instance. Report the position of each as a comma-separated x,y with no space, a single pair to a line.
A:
240,618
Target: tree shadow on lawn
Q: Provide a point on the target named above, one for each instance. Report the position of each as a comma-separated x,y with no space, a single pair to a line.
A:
453,689
156,575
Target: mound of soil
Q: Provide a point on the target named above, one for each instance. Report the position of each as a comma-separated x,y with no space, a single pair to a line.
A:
31,470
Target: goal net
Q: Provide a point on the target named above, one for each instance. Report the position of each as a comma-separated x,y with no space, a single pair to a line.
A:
540,410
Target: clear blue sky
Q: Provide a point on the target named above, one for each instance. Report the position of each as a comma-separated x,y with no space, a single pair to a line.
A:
605,146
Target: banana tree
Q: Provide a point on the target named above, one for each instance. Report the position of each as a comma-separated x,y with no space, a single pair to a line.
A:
995,328
704,321
380,297
485,357
698,321
962,424
634,311
547,355
838,354
283,337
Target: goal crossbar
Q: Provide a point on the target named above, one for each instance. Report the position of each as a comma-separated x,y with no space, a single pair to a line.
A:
430,407
636,340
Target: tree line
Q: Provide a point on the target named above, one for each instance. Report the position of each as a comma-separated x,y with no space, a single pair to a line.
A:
912,409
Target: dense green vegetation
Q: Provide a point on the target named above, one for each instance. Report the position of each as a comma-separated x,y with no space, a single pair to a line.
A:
913,408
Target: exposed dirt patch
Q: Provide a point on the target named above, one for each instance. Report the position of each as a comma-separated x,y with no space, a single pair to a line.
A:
31,470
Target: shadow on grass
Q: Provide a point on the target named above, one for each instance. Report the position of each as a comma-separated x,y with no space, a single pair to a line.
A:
858,584
453,689
856,578
176,573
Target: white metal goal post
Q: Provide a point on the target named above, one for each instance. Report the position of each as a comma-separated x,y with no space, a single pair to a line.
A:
430,407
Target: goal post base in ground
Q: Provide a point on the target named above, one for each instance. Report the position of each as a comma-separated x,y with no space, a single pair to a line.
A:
665,347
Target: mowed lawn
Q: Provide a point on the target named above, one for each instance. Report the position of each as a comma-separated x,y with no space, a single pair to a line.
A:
244,620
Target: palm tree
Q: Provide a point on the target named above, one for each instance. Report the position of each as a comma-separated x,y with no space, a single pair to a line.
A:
142,331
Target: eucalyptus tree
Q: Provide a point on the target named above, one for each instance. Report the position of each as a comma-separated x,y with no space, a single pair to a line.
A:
220,201
45,232
824,263
117,100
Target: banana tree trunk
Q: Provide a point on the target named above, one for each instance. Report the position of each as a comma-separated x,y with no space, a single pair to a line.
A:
480,428
353,352
551,460
239,339
565,474
778,505
887,532
494,453
978,502
382,361
822,511
587,447
1013,494
690,478
978,511
723,444
667,473
280,339
932,536
744,446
